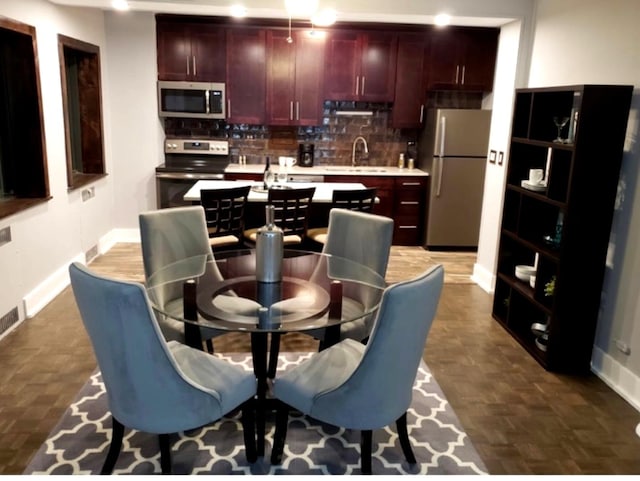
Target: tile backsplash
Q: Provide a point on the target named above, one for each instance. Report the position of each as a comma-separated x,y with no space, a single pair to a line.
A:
333,140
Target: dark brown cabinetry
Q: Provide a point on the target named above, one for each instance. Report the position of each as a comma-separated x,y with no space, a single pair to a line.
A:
462,58
401,198
561,227
410,89
246,75
190,51
295,72
409,210
361,66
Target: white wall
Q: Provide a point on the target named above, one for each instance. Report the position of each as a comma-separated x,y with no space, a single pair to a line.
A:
591,41
503,94
47,237
136,130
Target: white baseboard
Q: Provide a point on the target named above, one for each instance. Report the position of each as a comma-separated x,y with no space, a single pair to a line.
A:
483,277
47,290
616,376
53,285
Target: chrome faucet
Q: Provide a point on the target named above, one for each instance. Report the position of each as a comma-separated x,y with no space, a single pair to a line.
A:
353,151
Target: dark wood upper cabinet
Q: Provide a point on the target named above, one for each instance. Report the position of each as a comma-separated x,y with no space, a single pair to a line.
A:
246,75
410,89
361,66
462,58
294,78
191,51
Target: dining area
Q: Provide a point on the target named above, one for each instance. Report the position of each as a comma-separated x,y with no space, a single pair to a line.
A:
161,336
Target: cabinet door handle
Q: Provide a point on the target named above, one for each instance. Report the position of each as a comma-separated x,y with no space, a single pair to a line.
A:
195,71
363,78
297,110
407,227
457,72
229,108
188,66
291,110
421,113
407,184
464,68
409,202
357,84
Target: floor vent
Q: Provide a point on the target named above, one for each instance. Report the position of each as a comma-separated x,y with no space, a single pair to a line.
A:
9,319
91,254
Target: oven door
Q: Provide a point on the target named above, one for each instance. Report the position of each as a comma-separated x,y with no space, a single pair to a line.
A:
171,187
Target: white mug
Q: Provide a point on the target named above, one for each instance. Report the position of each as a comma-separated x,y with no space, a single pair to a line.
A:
535,176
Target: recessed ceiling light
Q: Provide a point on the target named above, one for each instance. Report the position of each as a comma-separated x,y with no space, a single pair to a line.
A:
120,4
442,19
324,18
238,11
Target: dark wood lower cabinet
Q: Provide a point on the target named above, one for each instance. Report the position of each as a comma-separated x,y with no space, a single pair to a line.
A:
404,199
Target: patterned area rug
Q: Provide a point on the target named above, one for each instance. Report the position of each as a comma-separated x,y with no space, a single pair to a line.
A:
78,444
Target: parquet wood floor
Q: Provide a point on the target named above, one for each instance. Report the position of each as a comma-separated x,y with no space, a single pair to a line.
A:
521,418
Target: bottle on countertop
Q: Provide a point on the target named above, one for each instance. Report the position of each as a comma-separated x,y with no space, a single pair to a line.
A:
269,249
268,176
401,160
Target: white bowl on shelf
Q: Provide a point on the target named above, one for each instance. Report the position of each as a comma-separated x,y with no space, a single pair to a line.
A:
532,281
524,272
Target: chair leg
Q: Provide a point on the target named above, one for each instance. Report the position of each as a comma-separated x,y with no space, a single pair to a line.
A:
365,451
249,430
280,435
209,343
403,435
274,351
117,432
165,454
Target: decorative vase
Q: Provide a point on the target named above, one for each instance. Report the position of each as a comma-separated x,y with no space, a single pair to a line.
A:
269,249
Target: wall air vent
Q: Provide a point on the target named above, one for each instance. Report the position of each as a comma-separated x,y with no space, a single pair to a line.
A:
91,254
9,319
5,235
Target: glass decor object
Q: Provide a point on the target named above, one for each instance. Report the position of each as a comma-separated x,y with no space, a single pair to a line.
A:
560,123
269,249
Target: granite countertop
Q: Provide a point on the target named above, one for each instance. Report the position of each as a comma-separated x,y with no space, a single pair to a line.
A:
329,170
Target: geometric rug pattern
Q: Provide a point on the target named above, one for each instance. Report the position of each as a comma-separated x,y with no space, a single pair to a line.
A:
79,442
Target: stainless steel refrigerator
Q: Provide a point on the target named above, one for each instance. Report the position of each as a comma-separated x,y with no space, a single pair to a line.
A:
452,148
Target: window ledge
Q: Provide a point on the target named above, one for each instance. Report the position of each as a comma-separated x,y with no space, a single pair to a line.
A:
11,206
81,180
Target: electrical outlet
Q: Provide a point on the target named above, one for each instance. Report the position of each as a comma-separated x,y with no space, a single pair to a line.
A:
88,193
623,347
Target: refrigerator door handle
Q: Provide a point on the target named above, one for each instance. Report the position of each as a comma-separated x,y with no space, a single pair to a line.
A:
443,133
439,180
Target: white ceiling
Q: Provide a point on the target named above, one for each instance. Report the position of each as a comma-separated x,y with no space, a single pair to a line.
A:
403,11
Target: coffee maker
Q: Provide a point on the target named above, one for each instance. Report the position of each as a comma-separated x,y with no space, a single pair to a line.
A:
305,155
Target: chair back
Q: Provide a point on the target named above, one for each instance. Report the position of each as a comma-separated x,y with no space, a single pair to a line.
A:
361,237
379,390
169,235
292,209
224,211
145,388
361,200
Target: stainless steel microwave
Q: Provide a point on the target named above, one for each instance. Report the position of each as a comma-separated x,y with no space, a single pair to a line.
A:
203,100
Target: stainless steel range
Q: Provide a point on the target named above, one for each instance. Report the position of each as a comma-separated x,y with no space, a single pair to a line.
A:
186,162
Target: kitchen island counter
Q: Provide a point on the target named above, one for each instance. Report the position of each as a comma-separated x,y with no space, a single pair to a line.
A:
322,195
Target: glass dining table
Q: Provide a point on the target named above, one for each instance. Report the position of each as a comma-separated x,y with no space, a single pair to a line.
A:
318,292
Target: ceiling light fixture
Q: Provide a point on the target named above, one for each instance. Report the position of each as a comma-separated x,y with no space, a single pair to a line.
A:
238,11
120,5
442,19
309,9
